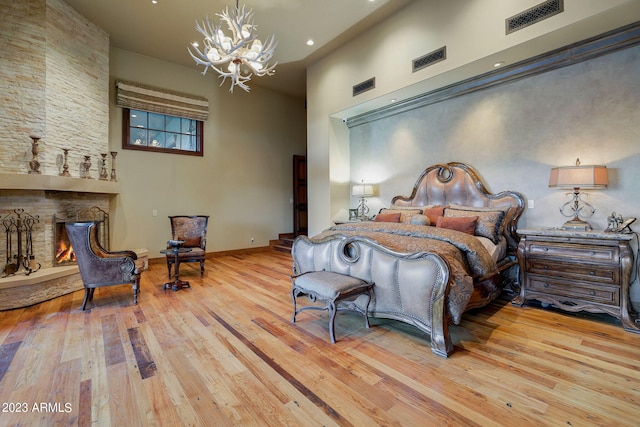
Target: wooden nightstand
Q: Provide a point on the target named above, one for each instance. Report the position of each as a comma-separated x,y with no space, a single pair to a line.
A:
578,270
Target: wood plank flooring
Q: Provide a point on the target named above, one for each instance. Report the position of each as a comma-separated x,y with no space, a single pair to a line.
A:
225,352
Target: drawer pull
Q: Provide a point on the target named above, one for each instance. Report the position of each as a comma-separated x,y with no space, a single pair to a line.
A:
592,273
546,267
592,293
545,249
546,285
592,253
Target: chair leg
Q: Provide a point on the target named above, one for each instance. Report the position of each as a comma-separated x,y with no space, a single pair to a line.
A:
293,297
86,298
136,291
202,268
169,270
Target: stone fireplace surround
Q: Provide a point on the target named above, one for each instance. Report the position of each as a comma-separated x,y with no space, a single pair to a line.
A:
45,196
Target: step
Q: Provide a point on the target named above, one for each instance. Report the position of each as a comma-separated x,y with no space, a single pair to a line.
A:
280,248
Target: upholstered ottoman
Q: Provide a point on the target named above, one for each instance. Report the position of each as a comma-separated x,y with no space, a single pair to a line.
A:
329,288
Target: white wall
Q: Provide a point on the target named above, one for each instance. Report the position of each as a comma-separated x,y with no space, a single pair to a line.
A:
243,181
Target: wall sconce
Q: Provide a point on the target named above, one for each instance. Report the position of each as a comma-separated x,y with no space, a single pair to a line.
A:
363,191
578,177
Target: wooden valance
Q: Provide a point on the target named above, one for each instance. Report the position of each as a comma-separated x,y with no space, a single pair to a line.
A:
137,96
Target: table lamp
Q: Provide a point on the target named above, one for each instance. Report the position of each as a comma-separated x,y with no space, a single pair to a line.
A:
363,191
578,177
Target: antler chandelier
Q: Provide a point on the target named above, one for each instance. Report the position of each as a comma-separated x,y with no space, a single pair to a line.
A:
239,56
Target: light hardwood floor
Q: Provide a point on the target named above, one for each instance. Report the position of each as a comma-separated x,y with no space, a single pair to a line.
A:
226,353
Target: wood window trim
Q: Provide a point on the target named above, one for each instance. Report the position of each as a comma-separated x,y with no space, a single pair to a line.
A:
126,146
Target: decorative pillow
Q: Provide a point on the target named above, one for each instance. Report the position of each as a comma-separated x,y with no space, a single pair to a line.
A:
465,224
433,213
190,242
490,222
405,213
420,220
387,217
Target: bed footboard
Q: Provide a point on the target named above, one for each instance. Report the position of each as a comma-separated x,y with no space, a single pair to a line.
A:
410,287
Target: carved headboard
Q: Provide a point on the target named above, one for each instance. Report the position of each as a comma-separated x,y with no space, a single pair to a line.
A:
458,183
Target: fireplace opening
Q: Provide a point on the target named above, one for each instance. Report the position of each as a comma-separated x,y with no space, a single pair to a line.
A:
62,249
63,253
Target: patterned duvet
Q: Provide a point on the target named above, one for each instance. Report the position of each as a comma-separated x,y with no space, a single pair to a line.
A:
466,257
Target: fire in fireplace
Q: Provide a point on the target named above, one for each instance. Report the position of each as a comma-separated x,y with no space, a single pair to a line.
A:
62,250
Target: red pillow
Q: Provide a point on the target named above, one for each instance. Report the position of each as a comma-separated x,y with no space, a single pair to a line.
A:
433,213
395,217
466,224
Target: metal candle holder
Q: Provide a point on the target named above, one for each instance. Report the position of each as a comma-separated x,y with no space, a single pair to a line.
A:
113,165
104,175
65,166
34,164
87,165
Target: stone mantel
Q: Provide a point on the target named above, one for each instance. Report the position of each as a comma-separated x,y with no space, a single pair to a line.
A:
16,181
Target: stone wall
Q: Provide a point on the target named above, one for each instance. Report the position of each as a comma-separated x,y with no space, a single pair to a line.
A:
54,83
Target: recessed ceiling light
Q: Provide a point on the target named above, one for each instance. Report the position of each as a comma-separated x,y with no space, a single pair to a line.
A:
310,42
154,1
392,100
498,64
195,44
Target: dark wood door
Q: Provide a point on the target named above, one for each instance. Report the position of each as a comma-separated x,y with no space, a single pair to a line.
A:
300,195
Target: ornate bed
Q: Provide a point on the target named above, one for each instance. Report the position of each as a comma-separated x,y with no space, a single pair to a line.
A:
433,255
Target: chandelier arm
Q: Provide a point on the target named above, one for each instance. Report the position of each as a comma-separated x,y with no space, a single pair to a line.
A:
268,71
200,62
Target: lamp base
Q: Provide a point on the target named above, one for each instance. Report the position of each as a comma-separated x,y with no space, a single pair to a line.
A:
577,225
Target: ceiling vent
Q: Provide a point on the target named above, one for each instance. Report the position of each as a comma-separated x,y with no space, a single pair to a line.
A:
430,59
364,86
535,14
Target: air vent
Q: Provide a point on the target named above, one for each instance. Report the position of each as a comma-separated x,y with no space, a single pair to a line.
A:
430,59
364,86
535,14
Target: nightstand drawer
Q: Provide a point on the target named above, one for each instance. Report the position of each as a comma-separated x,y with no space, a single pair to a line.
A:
601,294
578,271
587,252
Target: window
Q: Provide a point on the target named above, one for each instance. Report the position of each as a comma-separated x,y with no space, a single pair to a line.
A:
142,130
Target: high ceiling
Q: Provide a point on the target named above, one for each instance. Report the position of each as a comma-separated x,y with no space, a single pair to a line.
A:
166,29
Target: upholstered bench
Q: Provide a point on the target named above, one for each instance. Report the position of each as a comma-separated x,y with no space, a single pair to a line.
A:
329,288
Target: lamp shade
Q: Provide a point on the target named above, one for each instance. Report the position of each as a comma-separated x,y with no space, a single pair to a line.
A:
362,190
591,176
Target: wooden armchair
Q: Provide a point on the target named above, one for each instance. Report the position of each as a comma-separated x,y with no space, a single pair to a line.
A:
99,267
193,231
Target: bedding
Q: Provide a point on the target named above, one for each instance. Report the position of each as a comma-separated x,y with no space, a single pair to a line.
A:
465,255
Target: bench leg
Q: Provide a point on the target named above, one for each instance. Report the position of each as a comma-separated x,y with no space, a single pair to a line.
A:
366,307
332,318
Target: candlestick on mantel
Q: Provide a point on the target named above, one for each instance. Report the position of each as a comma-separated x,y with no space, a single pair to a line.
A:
113,165
34,164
